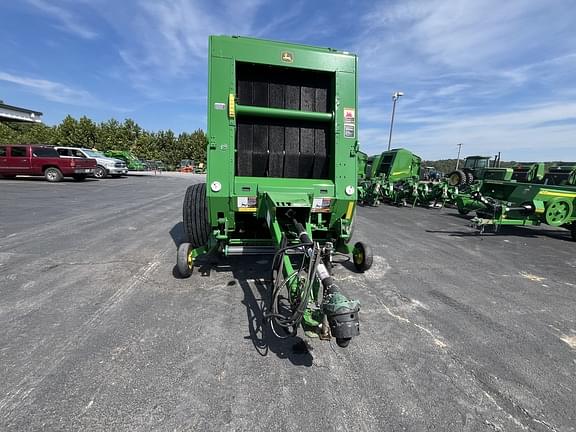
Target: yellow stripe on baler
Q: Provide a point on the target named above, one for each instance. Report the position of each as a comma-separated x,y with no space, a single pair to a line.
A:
350,210
558,194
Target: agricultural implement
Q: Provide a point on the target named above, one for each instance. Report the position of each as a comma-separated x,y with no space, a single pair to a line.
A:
391,176
132,162
396,165
281,177
528,173
502,203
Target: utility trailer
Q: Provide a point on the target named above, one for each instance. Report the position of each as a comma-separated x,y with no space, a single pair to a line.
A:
281,176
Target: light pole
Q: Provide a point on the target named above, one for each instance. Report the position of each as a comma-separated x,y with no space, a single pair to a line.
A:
458,159
395,97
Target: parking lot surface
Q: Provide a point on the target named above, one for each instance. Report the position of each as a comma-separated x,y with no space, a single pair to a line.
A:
459,332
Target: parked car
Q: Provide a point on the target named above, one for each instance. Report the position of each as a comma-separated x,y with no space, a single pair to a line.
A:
35,160
105,166
132,162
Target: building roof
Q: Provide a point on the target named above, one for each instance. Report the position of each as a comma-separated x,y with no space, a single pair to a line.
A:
10,113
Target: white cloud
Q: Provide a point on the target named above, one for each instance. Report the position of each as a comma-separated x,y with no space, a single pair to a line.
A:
51,90
169,38
495,75
69,22
544,132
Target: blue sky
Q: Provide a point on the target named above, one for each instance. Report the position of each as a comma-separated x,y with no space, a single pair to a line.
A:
494,75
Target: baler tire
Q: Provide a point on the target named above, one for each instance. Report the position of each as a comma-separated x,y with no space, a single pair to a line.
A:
195,215
183,263
362,257
53,175
457,178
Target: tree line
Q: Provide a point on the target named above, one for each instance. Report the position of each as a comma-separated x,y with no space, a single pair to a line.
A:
111,134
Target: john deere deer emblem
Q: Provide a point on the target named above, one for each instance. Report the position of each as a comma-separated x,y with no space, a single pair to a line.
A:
287,57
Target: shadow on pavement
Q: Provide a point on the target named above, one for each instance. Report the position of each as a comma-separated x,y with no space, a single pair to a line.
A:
177,233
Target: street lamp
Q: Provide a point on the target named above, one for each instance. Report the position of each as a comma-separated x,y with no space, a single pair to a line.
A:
458,159
395,97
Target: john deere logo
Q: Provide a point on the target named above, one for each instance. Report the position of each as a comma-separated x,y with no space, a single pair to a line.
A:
287,57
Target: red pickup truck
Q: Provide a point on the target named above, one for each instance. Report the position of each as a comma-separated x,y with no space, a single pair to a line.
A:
36,160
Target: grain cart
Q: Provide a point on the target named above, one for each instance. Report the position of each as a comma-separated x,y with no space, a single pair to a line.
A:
512,203
281,176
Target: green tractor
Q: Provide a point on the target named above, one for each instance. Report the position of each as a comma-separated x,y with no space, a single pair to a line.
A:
478,168
281,177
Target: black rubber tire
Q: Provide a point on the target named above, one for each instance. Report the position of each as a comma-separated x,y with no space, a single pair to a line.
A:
457,178
79,177
183,266
469,178
53,175
100,172
463,212
343,342
573,231
195,215
362,257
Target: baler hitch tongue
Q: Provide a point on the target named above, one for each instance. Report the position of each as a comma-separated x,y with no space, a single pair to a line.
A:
341,312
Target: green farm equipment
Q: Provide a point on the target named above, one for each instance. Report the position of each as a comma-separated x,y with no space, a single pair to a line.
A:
435,194
532,173
362,160
510,203
528,172
132,162
392,177
396,165
281,176
564,175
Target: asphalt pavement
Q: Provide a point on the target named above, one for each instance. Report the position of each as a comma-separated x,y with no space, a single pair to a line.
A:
459,332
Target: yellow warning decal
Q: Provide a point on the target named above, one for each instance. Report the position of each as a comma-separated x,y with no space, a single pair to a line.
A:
247,209
350,210
231,106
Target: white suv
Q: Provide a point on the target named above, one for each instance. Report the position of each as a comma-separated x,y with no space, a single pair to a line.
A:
105,165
